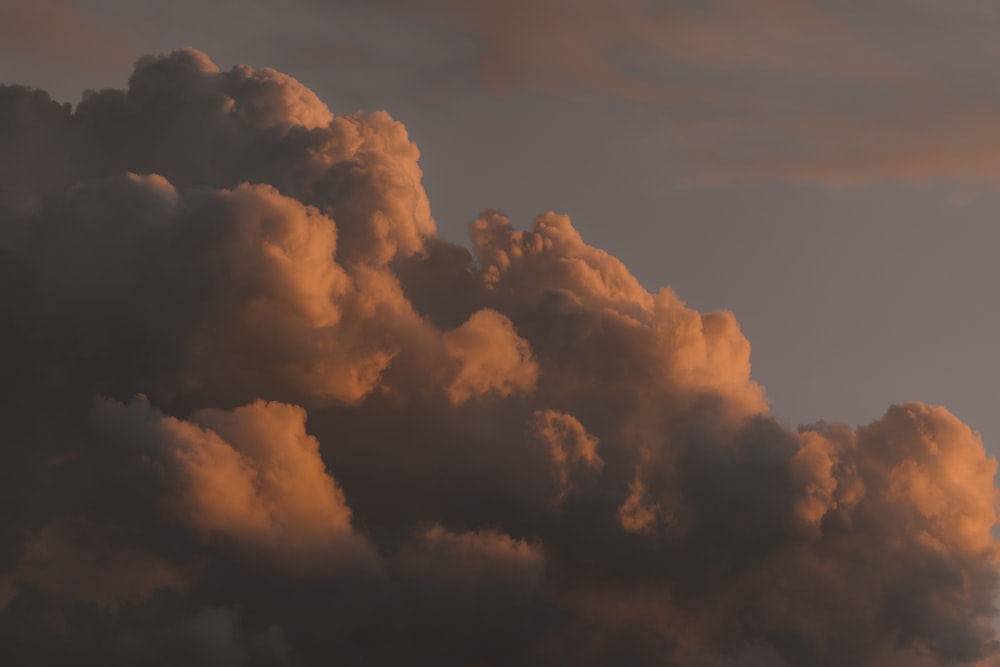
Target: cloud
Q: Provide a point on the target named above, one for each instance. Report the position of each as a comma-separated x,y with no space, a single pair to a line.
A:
784,90
493,358
557,45
571,448
473,564
924,137
636,514
58,30
257,412
252,477
71,561
788,90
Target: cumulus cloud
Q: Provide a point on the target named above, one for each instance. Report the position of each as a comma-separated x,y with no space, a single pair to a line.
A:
571,447
471,564
74,563
256,412
492,358
252,477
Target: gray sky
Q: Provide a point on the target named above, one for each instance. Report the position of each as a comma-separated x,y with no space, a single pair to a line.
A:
827,171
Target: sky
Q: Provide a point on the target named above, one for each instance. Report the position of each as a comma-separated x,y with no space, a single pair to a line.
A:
637,332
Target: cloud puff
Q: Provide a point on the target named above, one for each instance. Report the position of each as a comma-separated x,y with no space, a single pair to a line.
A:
252,477
571,448
73,562
471,564
256,412
492,358
58,31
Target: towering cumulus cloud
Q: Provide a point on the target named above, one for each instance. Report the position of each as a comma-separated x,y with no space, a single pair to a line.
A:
255,412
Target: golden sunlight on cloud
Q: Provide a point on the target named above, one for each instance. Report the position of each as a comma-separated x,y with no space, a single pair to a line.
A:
492,357
571,448
252,477
258,413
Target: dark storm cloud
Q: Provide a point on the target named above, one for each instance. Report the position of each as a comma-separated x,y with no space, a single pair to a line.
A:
255,412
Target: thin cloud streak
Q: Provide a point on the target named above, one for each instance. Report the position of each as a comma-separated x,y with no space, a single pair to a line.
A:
711,69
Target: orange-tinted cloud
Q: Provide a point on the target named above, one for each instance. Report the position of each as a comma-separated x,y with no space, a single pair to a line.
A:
492,358
71,561
255,412
252,477
472,564
572,449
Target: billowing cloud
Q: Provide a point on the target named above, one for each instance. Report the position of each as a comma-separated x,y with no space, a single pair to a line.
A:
492,358
573,450
256,412
74,563
252,477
